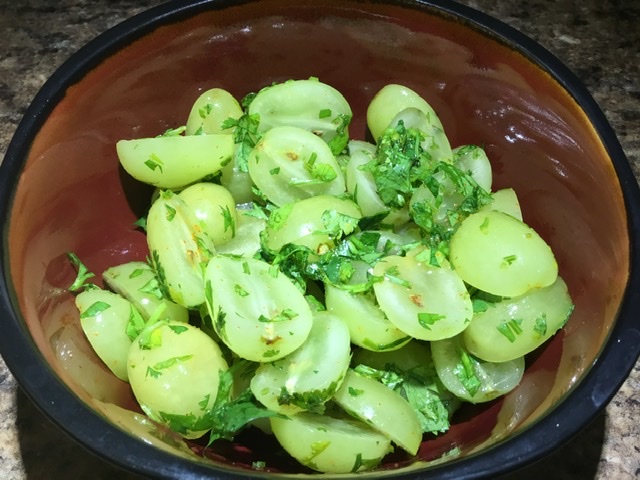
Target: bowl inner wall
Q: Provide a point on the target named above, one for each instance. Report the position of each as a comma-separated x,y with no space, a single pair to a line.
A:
72,195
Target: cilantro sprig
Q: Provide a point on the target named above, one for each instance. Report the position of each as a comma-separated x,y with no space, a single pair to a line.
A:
401,165
398,164
422,388
82,276
245,135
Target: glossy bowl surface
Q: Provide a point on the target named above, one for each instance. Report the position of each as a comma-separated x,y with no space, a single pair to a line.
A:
61,190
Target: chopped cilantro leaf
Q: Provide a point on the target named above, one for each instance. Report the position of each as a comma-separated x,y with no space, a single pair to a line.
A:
240,291
245,268
339,142
508,260
355,392
279,216
135,325
229,221
319,172
338,224
205,110
466,373
152,287
316,449
174,132
480,305
220,322
204,402
178,329
170,212
151,336
154,163
286,314
82,276
136,273
392,274
510,329
141,223
364,463
155,371
540,326
427,320
95,309
311,401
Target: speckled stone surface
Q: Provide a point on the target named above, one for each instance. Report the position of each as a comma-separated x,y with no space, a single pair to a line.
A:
598,40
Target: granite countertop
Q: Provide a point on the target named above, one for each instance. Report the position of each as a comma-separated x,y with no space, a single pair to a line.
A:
597,39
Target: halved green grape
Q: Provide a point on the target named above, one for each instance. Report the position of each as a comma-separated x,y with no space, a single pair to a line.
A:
237,180
360,183
472,379
175,161
505,201
368,326
311,222
290,164
501,255
75,360
308,104
179,249
424,301
215,209
473,159
210,111
247,239
514,327
330,444
104,317
429,211
307,378
410,371
257,311
174,371
138,283
391,100
382,409
435,142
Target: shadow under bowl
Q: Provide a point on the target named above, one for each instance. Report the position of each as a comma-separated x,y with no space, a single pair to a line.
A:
61,190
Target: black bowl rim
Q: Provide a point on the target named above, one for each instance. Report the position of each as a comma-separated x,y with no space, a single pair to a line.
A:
73,416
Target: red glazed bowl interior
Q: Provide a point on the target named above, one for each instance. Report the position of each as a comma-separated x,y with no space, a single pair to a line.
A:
71,194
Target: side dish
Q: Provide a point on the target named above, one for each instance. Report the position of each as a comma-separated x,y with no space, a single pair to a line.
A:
344,296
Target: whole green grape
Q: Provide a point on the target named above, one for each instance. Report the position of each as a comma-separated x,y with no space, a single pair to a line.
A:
256,310
501,255
174,371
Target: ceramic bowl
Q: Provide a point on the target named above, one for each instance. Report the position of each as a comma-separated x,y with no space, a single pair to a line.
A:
61,189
